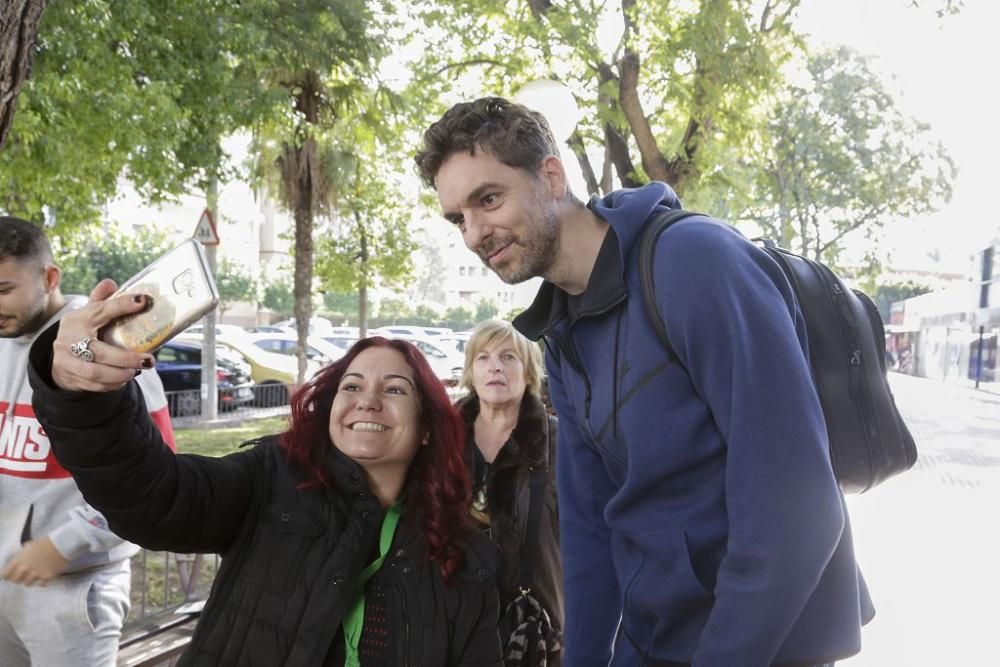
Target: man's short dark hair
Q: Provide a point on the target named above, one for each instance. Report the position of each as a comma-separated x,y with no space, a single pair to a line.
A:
513,134
23,240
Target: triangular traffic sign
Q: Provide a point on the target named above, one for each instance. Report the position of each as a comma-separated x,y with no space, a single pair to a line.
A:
206,231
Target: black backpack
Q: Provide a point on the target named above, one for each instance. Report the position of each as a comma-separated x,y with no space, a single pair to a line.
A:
868,440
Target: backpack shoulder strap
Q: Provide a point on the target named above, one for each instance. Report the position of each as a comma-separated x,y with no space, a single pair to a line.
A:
647,255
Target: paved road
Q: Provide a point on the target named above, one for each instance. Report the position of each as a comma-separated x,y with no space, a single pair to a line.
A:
929,541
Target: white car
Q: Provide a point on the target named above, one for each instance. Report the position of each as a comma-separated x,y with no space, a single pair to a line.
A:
444,359
456,340
221,330
317,325
318,350
406,330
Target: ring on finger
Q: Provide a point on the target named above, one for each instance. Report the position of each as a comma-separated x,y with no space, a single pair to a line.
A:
81,349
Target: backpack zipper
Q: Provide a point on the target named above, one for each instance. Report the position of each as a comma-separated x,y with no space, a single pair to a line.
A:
857,390
876,318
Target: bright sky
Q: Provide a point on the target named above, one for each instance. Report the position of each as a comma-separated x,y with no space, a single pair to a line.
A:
942,68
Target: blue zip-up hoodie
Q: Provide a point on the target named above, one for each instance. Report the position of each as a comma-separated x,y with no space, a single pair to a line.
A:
697,501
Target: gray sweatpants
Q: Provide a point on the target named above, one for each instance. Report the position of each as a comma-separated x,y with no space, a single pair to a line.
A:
74,620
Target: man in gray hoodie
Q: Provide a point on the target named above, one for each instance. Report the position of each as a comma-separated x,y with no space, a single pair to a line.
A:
64,577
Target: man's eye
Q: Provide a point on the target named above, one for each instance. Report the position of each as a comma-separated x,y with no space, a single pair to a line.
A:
490,200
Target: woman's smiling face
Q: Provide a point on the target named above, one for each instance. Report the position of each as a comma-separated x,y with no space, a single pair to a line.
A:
375,417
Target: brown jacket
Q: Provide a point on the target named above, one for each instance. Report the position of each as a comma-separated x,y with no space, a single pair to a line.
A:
532,444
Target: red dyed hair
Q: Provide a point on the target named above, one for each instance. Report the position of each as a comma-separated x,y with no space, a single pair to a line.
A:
438,485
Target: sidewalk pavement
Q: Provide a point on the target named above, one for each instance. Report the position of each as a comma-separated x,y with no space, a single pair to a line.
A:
928,541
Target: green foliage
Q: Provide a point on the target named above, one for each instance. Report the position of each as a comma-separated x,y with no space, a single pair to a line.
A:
142,89
393,311
485,310
369,242
341,306
277,296
842,158
690,112
459,318
942,8
888,293
86,259
235,283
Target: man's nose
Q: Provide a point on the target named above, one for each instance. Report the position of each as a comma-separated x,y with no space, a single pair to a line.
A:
477,230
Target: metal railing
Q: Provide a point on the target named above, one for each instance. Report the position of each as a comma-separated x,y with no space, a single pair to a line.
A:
164,581
238,403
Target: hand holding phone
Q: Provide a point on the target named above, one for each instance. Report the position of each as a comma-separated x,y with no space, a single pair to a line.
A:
180,290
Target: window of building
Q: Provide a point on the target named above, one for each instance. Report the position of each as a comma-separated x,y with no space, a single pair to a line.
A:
461,270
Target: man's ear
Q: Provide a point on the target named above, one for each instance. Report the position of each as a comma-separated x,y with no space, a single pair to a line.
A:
52,277
553,173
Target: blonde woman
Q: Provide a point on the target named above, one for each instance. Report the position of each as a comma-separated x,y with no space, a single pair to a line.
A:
510,451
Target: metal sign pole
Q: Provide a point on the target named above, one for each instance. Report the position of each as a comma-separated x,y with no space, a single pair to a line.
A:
209,392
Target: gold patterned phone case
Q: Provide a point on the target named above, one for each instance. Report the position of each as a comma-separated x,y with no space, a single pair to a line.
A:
180,290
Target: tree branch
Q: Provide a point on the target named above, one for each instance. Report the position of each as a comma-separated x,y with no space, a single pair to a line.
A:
618,149
18,31
628,96
539,8
469,63
576,144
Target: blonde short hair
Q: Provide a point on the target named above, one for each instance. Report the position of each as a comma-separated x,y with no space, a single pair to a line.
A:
491,332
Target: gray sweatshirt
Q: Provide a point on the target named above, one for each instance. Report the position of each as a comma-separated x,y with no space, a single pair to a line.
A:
38,498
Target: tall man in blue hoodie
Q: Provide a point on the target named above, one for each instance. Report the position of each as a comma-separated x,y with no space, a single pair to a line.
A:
700,520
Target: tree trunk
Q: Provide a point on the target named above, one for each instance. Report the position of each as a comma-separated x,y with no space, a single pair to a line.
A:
363,287
306,187
18,30
303,215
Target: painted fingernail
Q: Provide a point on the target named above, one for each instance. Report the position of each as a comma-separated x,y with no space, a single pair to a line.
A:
147,363
138,298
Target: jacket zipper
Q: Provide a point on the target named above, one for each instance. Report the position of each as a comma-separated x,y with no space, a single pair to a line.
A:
407,657
569,351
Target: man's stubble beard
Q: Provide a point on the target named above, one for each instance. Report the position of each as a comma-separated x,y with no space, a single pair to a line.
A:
537,251
31,321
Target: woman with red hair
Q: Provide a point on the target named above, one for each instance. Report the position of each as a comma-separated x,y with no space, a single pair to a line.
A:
345,540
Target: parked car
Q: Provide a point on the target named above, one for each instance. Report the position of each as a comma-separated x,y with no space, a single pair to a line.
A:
318,349
269,328
456,340
446,361
317,325
398,330
344,331
178,364
341,341
220,330
273,374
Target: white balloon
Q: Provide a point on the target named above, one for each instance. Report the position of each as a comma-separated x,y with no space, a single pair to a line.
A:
554,101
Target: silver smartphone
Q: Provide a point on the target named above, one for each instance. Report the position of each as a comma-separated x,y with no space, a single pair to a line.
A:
180,290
